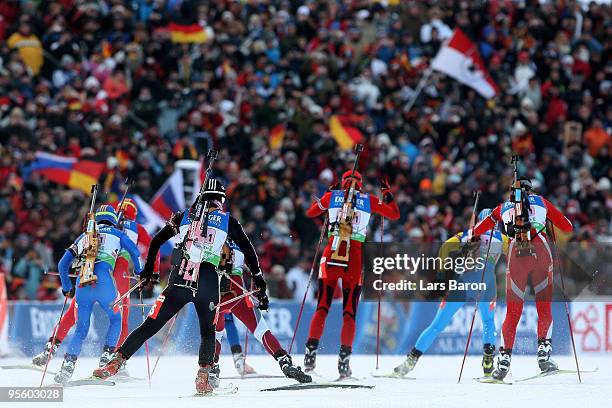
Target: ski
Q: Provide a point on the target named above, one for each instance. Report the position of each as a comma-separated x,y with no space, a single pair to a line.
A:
25,367
317,385
349,378
217,392
88,381
555,372
248,376
128,379
491,380
392,375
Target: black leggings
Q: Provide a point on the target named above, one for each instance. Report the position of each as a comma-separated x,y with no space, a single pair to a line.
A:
170,302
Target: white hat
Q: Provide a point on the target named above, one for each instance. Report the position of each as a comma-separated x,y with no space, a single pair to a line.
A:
303,10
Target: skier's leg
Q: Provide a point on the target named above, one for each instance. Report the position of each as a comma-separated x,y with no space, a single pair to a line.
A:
327,287
542,278
516,281
83,305
123,285
445,313
106,293
68,320
487,315
219,332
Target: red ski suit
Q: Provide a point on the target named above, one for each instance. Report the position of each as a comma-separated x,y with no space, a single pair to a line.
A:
351,276
538,265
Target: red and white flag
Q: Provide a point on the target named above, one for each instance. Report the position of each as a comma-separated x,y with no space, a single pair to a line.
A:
459,59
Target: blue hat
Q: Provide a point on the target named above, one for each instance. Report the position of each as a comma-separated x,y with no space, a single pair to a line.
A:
106,213
484,214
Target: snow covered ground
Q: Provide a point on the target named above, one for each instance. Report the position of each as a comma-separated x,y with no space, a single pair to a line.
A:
435,386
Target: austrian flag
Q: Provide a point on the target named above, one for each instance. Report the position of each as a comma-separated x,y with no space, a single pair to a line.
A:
459,59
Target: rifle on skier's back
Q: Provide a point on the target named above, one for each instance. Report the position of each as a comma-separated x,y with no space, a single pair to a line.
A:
193,241
90,248
342,228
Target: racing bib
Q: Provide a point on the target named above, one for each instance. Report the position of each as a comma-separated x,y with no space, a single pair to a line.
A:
362,214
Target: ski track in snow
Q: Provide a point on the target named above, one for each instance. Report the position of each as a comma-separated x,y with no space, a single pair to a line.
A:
435,386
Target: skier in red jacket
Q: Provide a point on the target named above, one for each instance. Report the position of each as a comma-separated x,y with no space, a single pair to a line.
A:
331,269
529,254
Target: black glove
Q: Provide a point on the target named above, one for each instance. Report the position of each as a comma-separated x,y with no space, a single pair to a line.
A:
69,293
147,275
264,302
385,188
260,283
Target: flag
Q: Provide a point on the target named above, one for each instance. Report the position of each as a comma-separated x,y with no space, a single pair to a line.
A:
68,171
146,215
170,197
187,33
277,134
459,59
345,136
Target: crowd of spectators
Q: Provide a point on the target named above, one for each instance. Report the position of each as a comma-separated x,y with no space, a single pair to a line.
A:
102,80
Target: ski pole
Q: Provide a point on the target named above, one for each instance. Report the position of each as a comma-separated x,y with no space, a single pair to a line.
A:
126,294
467,345
567,312
163,346
146,342
312,266
53,340
382,233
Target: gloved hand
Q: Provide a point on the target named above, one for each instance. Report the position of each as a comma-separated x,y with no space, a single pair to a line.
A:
264,302
469,249
260,283
69,293
385,188
146,276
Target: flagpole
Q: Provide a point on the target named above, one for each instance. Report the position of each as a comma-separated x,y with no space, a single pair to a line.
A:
418,89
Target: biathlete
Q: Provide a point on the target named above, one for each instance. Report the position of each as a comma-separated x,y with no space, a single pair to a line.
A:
454,301
364,205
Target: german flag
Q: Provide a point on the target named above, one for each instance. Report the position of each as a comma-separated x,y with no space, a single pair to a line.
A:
346,136
68,171
187,33
277,134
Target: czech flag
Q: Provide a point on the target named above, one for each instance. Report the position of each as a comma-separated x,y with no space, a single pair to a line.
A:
67,171
187,33
346,136
277,134
170,197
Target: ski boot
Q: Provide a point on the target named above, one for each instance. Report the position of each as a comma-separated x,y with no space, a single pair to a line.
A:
408,364
503,364
240,363
487,359
47,354
67,369
214,376
111,367
123,372
202,382
544,361
344,357
107,354
310,355
291,371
